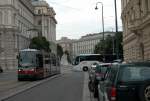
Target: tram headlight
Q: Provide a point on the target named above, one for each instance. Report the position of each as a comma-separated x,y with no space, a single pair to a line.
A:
32,70
19,70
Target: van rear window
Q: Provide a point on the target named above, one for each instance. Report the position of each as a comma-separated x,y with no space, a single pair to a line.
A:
135,74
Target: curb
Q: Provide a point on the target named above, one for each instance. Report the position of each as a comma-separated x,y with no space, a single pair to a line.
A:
27,87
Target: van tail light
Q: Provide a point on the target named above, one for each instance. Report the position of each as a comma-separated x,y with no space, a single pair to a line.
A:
113,94
97,74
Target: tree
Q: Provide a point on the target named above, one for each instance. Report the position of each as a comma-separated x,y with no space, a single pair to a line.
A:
59,51
119,43
104,46
40,43
68,56
109,44
99,48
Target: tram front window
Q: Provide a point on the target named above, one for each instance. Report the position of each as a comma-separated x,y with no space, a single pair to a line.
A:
27,59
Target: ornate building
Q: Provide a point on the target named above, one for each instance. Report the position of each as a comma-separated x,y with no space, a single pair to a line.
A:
17,18
45,19
136,26
84,45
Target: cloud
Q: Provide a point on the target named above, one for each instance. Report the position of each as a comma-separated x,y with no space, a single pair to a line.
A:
78,17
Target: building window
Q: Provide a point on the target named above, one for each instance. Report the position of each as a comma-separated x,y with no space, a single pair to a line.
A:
0,17
39,11
146,4
39,22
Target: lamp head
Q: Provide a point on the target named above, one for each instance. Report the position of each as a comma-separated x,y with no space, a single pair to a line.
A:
96,8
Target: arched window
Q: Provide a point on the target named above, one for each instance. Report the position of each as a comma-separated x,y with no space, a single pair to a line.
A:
39,11
39,22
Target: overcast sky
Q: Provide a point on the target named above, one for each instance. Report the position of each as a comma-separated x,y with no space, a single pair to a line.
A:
78,17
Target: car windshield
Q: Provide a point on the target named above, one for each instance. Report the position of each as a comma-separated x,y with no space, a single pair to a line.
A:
102,68
135,74
95,63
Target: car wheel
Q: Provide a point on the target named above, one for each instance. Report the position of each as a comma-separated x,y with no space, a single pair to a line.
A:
144,91
90,86
95,93
98,99
85,69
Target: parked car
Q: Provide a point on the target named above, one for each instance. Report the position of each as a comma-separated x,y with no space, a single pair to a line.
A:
99,73
117,61
91,75
92,70
1,70
126,82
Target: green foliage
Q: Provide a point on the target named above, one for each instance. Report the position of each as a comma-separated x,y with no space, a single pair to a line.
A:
68,56
120,42
40,43
59,51
104,47
109,44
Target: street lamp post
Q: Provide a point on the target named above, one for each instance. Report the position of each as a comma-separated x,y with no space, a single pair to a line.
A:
102,26
102,16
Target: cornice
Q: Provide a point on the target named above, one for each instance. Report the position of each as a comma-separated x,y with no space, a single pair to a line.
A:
27,6
8,7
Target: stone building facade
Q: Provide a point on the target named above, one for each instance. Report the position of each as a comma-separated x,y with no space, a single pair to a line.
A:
136,29
86,44
17,17
66,45
45,19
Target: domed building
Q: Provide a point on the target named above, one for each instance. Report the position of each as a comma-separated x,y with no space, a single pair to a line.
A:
17,19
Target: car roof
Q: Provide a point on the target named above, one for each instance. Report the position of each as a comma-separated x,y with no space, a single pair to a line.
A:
135,64
105,63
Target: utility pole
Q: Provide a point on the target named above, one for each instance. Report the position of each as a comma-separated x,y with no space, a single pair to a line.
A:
116,27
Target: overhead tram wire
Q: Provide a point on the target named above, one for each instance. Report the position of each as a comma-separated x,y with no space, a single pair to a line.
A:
55,3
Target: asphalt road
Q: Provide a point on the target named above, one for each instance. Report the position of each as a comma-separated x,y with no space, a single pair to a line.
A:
68,87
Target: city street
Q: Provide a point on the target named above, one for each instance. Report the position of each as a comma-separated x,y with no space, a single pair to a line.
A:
68,87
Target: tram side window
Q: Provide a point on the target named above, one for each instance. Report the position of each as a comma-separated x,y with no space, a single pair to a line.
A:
39,60
54,62
58,63
47,61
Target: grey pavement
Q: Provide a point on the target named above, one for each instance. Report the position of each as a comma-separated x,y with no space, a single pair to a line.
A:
68,87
